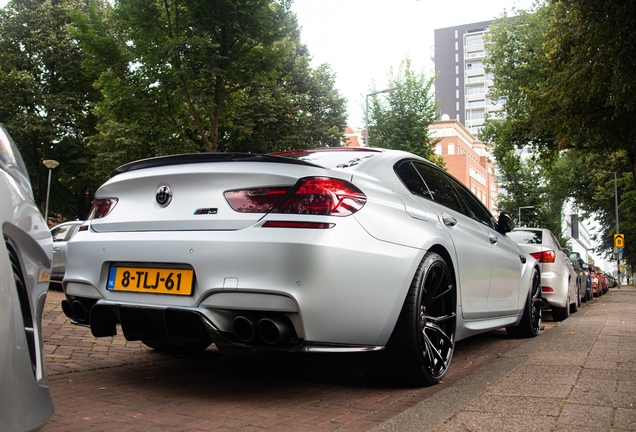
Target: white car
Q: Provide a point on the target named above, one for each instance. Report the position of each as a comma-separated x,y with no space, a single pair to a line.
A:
61,234
558,279
25,269
328,250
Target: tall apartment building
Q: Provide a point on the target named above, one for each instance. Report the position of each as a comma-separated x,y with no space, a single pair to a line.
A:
462,84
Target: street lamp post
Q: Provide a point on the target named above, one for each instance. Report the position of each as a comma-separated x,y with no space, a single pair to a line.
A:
50,164
520,212
618,259
366,112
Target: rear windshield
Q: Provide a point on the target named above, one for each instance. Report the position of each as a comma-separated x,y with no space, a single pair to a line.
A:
526,237
331,158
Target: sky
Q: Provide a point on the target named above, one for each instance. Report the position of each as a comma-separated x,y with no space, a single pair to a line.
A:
363,39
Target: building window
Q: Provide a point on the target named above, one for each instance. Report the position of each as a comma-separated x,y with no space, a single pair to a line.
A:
475,40
456,106
438,149
456,70
456,57
451,149
475,115
478,176
456,35
476,90
456,94
478,103
456,46
474,65
457,82
476,78
457,117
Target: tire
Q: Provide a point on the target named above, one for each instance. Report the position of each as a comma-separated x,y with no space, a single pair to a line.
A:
420,349
162,344
561,314
530,323
574,307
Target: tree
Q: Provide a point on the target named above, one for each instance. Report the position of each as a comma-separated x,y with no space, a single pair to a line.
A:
45,97
586,99
173,67
400,119
300,109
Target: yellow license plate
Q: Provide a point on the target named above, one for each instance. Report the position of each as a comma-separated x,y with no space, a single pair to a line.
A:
151,280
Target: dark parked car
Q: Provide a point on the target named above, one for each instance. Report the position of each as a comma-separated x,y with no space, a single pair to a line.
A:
585,280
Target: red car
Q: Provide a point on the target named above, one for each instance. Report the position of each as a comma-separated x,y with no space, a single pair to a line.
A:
597,285
602,278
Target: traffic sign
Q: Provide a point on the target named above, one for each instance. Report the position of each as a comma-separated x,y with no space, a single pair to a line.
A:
619,240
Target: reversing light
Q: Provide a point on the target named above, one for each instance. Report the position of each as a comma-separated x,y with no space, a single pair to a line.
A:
102,207
545,256
261,200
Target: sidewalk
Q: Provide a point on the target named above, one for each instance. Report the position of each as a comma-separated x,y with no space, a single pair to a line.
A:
577,376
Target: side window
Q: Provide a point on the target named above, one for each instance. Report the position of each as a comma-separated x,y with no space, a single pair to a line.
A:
441,190
59,234
412,180
475,209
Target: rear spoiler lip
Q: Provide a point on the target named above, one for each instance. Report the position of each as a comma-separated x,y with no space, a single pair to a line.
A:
192,158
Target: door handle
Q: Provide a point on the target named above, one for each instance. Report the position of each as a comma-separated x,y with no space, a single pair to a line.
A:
493,239
449,220
56,249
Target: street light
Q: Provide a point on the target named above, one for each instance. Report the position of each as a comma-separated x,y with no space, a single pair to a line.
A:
520,212
366,127
50,164
618,259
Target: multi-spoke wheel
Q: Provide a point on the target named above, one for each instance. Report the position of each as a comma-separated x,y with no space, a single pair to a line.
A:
530,323
420,349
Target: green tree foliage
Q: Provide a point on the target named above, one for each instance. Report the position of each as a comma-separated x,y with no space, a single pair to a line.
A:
565,73
194,76
400,119
586,100
44,100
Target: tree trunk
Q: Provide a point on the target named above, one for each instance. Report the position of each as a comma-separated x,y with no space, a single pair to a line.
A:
214,135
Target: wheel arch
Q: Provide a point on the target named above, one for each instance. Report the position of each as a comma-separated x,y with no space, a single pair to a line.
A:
443,252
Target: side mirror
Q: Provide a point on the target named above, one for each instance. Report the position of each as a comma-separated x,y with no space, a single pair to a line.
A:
505,223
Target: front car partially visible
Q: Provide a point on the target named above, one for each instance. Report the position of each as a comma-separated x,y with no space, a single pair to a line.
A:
25,268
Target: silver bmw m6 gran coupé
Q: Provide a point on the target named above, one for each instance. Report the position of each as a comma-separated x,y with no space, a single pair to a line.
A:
326,250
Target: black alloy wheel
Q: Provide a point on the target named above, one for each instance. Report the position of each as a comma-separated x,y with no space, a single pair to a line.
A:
530,323
421,347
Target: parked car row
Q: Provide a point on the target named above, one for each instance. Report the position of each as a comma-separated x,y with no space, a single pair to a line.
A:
25,269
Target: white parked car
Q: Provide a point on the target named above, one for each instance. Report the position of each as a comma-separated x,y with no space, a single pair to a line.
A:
328,250
558,279
61,234
25,269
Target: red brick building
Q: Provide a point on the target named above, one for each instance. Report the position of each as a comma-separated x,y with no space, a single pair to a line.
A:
467,160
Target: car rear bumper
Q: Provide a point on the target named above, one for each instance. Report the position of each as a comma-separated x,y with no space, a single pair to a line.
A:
340,288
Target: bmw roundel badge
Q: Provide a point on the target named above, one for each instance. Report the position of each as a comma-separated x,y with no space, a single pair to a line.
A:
164,196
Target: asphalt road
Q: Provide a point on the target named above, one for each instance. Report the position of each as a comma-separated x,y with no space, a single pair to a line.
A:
113,384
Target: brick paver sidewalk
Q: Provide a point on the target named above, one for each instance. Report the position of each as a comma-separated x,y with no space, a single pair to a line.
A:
112,384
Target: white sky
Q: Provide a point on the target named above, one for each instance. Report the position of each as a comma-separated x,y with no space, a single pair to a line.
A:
362,39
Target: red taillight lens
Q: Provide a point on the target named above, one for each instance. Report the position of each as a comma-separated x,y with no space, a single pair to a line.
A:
255,200
311,195
545,256
323,196
292,224
102,206
546,289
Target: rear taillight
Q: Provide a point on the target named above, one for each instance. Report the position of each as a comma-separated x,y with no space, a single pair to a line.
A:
546,289
545,256
101,207
311,195
261,200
